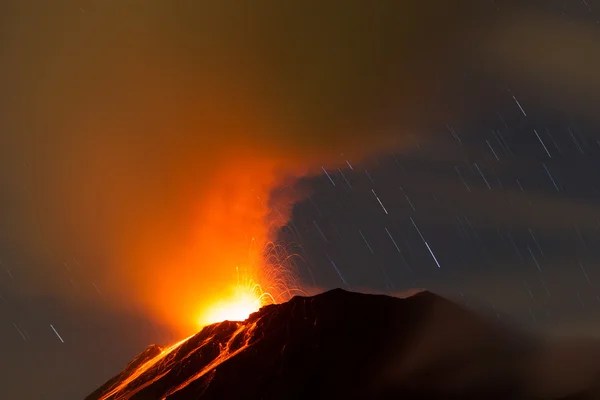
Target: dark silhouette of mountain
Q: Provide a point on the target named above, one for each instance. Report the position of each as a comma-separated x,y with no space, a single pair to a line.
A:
341,344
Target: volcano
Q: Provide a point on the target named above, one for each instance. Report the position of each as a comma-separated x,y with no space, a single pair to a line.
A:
342,344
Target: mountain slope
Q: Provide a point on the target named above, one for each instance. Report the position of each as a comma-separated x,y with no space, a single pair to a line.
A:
340,344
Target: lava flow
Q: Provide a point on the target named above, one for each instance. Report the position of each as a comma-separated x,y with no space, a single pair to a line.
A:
217,343
225,331
158,361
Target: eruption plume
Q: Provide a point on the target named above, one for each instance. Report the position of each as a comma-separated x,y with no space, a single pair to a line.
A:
149,150
144,138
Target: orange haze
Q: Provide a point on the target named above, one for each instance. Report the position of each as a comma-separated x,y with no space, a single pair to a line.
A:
227,231
146,137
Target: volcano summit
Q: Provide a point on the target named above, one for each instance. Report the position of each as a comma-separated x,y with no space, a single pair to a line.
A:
341,344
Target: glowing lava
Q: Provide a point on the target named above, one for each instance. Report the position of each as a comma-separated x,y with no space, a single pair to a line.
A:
243,300
237,308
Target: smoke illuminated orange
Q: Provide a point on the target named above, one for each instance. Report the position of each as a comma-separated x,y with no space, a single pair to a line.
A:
190,275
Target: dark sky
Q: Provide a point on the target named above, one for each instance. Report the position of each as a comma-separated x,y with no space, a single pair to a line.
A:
460,145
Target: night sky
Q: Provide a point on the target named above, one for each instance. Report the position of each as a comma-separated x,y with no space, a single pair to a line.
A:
483,186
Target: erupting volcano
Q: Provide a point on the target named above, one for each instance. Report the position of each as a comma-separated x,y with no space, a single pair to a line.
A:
240,301
341,344
238,307
273,267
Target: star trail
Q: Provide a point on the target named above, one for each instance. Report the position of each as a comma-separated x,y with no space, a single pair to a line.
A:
491,199
515,226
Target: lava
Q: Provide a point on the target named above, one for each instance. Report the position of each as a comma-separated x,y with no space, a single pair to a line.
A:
228,351
273,265
158,367
269,278
120,391
243,299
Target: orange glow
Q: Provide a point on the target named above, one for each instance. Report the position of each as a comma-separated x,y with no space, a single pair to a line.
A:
190,272
237,308
156,368
204,200
237,302
120,386
156,161
175,194
243,300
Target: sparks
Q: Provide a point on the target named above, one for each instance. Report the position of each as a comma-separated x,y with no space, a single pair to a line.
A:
245,298
237,308
255,287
